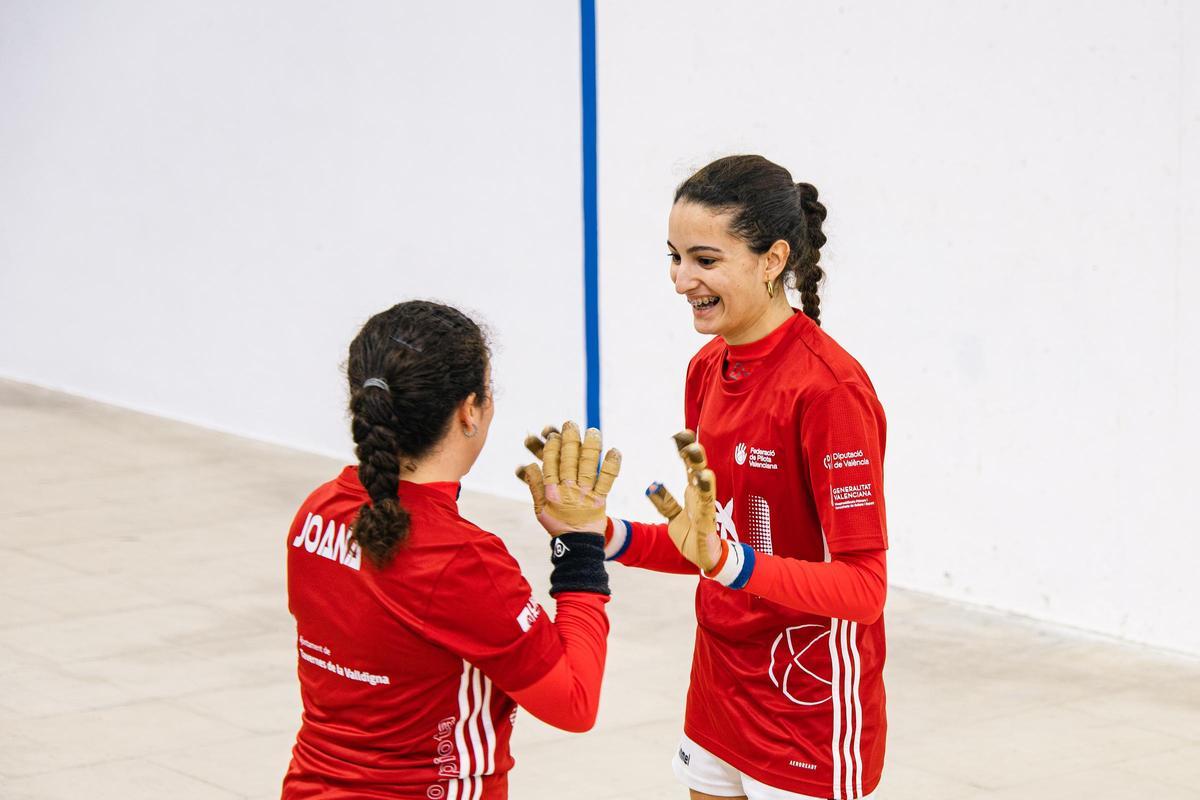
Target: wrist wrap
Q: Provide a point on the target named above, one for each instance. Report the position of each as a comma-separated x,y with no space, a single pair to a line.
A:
578,560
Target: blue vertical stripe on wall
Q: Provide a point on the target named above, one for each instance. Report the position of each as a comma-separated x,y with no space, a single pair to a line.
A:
591,258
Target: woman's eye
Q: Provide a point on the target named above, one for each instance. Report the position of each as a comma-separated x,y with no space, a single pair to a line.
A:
674,257
706,262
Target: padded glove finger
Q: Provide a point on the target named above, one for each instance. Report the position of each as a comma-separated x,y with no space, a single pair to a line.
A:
568,465
532,476
663,500
550,458
609,470
589,459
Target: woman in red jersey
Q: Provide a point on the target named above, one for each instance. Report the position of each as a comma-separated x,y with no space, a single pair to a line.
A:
786,697
417,635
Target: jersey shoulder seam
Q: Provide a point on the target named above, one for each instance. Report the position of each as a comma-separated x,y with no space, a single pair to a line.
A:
839,377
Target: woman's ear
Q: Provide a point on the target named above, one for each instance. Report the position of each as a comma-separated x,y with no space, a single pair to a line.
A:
467,410
776,260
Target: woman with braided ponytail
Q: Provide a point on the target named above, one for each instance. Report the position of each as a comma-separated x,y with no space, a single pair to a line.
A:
784,513
417,635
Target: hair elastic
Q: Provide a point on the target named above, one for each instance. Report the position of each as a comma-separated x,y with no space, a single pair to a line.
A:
400,341
380,382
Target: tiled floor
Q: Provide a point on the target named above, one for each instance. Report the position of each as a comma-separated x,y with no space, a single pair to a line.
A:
145,649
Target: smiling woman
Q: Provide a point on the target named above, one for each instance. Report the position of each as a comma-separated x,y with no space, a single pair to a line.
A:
788,528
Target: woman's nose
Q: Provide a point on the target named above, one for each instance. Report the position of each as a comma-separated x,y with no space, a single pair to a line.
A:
683,277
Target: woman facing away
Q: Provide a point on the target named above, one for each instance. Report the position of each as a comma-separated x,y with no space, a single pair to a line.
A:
417,635
784,510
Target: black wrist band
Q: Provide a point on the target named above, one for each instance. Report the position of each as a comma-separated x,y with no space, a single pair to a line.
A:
578,560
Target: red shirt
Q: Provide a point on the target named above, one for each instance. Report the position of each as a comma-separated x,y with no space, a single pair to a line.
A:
788,695
406,672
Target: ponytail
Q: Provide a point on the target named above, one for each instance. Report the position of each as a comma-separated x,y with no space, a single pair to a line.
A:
382,525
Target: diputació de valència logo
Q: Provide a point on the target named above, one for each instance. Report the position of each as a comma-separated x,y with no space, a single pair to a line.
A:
853,458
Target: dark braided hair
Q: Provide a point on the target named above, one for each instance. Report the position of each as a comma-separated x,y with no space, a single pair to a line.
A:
767,206
431,357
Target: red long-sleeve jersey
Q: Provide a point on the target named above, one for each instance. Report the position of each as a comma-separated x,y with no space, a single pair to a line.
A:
410,675
787,671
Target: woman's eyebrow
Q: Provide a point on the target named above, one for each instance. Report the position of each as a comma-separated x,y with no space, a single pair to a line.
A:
698,248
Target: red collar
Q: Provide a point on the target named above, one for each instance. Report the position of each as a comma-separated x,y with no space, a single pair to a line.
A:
763,354
448,490
753,351
445,489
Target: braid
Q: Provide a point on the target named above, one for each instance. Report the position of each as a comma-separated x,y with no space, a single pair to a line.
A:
382,524
808,271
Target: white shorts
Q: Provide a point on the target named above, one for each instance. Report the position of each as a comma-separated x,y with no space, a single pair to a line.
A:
698,769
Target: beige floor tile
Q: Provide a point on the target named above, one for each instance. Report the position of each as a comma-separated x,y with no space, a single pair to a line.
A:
71,598
247,766
125,632
1012,750
631,701
130,779
121,732
131,554
153,519
1093,784
20,755
212,585
270,709
19,568
595,788
179,672
901,782
1171,706
13,659
50,690
1179,767
16,612
552,769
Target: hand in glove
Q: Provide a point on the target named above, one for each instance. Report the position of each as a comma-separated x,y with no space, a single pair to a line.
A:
692,528
568,494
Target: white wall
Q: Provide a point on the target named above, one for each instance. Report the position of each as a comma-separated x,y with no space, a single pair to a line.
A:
1012,193
200,202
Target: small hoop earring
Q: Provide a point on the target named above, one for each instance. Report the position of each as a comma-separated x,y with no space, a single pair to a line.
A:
770,288
470,434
